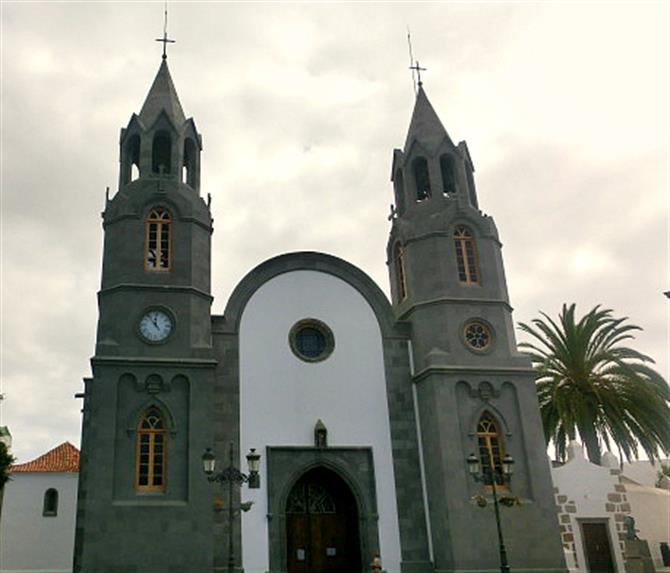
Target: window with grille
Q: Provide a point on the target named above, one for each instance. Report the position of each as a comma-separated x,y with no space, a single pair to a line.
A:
310,497
151,451
466,256
158,240
311,340
489,441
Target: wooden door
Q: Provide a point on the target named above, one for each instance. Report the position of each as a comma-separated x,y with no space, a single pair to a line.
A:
597,547
322,525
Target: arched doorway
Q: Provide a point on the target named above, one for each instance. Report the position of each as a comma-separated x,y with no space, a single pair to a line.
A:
322,525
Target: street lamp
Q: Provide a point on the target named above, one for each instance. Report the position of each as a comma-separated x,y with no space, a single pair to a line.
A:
233,477
491,477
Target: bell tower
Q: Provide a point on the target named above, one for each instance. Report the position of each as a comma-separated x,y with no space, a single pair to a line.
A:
153,367
475,392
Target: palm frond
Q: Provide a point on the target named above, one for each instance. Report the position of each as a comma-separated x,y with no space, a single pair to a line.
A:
589,383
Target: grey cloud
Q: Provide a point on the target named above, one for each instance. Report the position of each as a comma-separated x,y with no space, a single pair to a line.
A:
259,80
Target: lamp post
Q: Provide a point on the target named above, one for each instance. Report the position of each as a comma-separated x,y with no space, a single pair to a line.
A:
490,477
234,478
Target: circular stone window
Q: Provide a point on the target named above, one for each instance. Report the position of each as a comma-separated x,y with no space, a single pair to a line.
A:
477,336
311,340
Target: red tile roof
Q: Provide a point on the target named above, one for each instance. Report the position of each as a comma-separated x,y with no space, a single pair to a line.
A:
63,458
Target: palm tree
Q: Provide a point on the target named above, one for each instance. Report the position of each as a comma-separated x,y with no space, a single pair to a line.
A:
591,385
662,476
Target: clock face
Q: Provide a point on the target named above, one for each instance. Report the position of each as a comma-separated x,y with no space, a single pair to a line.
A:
156,325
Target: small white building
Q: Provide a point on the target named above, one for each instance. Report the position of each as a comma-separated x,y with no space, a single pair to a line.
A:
592,504
38,514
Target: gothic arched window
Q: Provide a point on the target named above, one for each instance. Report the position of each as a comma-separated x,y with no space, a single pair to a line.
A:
490,445
448,170
50,507
188,169
151,449
130,165
399,263
161,153
466,256
158,231
421,178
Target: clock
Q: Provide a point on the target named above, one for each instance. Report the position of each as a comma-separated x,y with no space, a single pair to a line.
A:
156,325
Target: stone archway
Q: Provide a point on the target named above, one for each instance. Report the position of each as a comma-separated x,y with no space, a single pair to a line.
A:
322,529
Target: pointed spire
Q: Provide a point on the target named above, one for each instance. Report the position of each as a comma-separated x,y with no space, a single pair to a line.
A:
425,126
162,96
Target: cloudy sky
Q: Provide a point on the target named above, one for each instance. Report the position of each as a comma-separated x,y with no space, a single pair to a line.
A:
564,107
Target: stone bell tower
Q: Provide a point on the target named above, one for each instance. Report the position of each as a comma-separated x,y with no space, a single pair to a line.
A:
145,407
475,392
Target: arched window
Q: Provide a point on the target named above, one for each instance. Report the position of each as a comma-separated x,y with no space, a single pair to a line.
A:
188,168
490,444
151,450
50,507
421,178
448,170
131,159
399,262
466,256
158,229
161,153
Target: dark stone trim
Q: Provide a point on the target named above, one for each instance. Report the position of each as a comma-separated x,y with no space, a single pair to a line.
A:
470,221
355,466
207,227
470,370
451,300
191,362
149,503
155,288
308,260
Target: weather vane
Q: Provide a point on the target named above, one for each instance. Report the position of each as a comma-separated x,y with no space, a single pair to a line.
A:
414,65
165,39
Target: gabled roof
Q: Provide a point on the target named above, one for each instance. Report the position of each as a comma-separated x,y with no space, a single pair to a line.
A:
425,126
162,96
63,458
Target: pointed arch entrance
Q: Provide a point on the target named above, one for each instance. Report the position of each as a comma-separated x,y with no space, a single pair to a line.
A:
322,525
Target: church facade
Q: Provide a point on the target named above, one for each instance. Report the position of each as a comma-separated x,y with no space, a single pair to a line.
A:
364,410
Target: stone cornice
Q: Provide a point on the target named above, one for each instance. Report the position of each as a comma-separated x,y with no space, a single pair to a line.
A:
187,219
155,288
157,360
470,370
410,306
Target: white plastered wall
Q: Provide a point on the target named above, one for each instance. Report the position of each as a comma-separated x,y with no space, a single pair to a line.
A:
29,541
282,397
650,507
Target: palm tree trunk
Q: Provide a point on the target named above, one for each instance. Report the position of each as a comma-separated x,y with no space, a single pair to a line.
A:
592,446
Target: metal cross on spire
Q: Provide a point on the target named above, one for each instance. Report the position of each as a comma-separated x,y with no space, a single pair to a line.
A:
165,39
414,65
418,69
